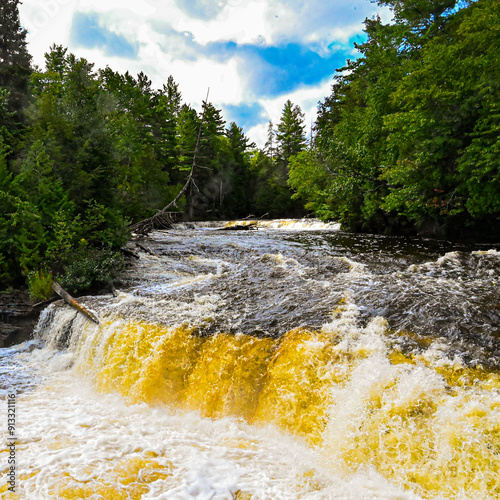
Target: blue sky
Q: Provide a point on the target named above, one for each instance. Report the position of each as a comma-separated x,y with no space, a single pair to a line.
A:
252,54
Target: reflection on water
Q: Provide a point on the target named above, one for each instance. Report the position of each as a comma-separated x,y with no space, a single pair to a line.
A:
291,361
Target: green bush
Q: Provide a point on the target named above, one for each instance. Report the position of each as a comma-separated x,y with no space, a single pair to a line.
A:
91,268
40,285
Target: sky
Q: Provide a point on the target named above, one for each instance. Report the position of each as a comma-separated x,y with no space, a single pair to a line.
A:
252,55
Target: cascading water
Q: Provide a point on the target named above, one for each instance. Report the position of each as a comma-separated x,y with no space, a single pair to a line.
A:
294,361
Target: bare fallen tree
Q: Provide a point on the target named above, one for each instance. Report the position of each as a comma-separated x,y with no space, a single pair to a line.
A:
164,218
73,302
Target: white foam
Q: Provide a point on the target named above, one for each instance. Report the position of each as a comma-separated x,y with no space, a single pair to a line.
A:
69,431
286,224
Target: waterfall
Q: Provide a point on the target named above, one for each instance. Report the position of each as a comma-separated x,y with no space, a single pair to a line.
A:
255,366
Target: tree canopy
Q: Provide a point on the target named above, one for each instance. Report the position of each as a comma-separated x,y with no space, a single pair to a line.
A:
407,141
409,138
15,67
86,152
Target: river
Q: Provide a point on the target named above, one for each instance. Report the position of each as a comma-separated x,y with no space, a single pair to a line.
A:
289,361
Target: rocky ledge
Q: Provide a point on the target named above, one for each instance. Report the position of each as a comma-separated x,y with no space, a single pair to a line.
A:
18,317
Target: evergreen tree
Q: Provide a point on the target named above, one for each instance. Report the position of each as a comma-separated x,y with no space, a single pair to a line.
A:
236,196
99,148
270,145
167,110
15,61
207,190
67,115
173,96
290,135
408,139
443,173
186,135
283,143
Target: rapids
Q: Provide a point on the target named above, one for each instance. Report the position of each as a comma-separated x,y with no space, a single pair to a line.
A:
291,361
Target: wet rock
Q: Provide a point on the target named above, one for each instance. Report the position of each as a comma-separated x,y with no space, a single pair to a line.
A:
239,227
18,317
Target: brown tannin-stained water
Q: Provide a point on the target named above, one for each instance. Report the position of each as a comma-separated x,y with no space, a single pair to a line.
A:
294,361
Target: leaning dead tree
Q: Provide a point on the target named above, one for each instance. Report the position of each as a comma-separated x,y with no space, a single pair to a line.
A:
73,302
164,218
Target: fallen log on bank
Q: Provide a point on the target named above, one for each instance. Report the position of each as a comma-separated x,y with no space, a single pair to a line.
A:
162,219
73,302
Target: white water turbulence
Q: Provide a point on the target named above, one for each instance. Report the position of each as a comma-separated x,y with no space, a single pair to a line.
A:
292,361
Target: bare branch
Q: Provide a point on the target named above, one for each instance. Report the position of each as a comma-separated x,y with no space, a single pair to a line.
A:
147,225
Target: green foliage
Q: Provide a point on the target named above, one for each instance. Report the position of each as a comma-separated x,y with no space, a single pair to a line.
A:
446,134
264,189
221,174
85,152
205,195
236,167
15,64
91,269
40,285
290,135
41,232
271,194
101,150
410,132
311,180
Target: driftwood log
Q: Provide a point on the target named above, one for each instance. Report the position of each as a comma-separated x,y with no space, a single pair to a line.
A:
162,219
73,302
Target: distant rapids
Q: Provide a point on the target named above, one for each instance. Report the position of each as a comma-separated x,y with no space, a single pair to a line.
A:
291,361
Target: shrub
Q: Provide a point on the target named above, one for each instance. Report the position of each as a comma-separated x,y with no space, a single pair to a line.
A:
40,285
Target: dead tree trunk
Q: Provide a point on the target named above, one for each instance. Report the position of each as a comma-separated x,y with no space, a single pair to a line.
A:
73,302
162,218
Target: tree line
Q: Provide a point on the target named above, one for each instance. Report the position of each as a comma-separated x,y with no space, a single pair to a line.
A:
85,153
407,142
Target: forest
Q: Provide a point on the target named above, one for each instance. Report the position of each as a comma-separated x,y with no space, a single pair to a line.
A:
408,140
407,143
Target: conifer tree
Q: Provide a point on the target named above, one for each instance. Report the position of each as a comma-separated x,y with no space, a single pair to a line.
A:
270,145
168,103
236,166
290,135
290,141
15,61
206,195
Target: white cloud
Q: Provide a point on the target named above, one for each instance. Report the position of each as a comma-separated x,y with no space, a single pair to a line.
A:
181,49
47,22
282,21
223,80
307,98
240,21
328,21
140,8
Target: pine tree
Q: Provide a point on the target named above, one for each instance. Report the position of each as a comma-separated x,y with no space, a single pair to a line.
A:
270,192
167,108
290,135
209,178
15,61
237,165
270,145
173,96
